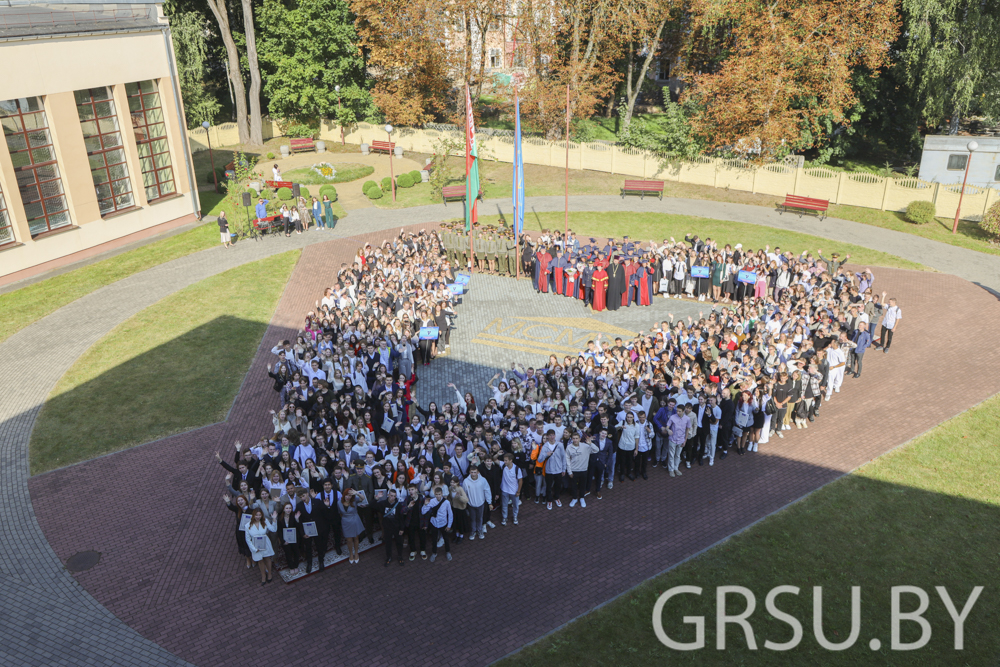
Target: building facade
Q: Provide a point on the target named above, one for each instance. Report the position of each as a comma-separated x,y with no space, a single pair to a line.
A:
95,153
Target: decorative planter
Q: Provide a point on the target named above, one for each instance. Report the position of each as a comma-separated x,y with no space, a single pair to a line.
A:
285,151
428,160
425,176
399,151
365,149
320,146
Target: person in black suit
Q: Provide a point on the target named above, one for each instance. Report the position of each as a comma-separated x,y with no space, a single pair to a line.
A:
393,520
310,509
330,497
287,520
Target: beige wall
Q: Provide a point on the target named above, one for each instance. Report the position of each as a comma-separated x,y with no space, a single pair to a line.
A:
53,70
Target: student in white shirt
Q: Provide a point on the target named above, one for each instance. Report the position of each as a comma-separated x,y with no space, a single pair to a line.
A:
511,480
891,315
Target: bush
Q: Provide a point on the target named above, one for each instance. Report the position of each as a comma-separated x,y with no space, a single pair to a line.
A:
284,194
368,184
220,173
386,183
304,192
404,181
921,212
416,177
991,222
270,155
253,194
374,192
329,191
299,131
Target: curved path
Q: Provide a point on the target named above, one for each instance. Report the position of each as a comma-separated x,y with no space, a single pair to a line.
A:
49,618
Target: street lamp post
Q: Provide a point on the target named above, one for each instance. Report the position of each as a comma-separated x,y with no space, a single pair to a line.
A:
211,156
336,89
392,175
972,145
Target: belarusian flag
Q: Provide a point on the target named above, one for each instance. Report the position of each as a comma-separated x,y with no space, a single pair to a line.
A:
471,165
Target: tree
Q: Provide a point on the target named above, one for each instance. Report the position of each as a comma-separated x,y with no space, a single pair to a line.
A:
189,31
256,129
220,11
306,51
952,57
786,70
404,41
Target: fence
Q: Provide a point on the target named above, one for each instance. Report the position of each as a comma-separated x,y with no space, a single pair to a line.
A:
855,189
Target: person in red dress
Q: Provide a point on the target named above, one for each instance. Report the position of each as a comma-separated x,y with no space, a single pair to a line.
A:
542,268
558,271
644,275
599,283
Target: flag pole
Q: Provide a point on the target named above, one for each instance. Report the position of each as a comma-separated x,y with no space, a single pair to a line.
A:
566,235
468,211
517,229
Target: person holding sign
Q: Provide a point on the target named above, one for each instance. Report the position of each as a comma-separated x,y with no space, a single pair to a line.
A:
310,515
351,523
260,543
242,509
289,535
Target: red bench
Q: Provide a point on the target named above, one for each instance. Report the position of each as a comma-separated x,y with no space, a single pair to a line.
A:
456,193
264,225
302,145
642,187
805,204
274,185
383,146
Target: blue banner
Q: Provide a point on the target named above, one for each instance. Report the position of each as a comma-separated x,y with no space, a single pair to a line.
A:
428,333
699,272
518,190
748,277
456,288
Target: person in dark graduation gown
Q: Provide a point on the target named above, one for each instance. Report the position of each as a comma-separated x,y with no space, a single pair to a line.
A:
599,288
617,285
657,276
585,277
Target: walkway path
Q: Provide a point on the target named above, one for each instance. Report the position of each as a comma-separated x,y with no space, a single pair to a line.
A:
50,619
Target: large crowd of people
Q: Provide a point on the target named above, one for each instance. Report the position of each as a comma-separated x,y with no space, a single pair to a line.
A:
353,454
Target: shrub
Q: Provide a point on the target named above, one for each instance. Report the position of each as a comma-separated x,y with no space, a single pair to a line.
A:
270,155
368,184
921,212
374,192
416,177
284,194
220,173
329,191
404,181
304,192
299,131
386,183
991,222
253,194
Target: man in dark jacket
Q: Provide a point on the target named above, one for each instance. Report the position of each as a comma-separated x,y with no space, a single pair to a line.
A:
726,422
393,525
490,470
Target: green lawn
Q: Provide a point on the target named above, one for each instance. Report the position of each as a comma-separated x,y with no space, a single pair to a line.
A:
175,366
646,227
969,234
29,304
923,515
346,172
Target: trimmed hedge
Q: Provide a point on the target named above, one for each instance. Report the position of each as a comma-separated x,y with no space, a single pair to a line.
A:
304,192
921,212
404,181
386,183
368,184
329,191
253,194
270,156
415,175
285,194
374,192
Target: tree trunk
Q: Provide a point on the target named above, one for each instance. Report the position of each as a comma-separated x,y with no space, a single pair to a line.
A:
482,56
634,94
221,13
256,125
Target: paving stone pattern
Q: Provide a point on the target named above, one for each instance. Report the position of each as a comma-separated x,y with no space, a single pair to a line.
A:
170,569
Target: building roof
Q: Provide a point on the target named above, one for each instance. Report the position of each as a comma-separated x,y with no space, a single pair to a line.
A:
958,143
22,19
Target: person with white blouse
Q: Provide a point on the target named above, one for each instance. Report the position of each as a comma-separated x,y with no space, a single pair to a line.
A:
261,549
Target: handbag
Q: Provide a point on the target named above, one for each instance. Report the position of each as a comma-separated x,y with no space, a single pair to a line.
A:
771,407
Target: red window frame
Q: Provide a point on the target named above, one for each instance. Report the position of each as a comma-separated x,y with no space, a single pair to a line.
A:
150,131
29,142
105,150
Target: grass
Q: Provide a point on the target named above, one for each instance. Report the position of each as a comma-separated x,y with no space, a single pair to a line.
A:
346,172
659,226
969,234
28,304
922,515
175,366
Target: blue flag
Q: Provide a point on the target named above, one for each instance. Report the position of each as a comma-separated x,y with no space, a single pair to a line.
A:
518,193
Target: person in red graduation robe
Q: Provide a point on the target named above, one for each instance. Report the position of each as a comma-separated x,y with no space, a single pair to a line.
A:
644,278
627,295
599,284
542,263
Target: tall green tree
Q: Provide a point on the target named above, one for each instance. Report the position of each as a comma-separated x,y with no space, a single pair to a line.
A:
190,34
952,58
306,49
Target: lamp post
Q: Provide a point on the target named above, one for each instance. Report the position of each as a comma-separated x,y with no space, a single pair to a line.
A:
972,145
336,89
392,176
211,156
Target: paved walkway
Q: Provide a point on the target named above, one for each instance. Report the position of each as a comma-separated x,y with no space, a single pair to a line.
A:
50,619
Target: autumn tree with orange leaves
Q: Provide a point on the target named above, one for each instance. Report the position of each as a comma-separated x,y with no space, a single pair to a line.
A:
786,69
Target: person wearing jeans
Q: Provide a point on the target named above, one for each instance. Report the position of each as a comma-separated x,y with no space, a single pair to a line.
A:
577,461
478,490
677,427
511,479
553,454
439,512
891,315
862,340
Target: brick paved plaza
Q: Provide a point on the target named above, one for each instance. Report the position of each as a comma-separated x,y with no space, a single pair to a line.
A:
169,569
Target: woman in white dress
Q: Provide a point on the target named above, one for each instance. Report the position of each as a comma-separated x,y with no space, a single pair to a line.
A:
260,544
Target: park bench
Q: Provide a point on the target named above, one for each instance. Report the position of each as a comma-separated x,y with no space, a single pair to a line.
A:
642,187
383,146
456,193
306,144
805,204
264,225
